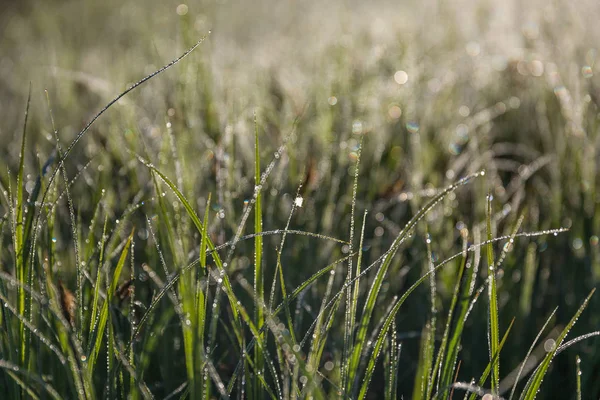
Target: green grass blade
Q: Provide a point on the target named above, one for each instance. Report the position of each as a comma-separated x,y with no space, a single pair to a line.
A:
391,369
578,376
531,348
449,349
424,370
201,311
169,235
494,329
259,294
188,327
356,294
204,238
430,368
350,305
319,343
490,367
320,334
21,263
534,383
104,312
526,296
192,301
96,299
279,269
578,339
353,368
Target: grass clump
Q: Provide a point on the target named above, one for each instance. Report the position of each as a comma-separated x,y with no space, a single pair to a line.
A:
318,230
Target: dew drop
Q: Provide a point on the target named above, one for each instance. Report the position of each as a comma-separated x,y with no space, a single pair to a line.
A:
401,77
412,127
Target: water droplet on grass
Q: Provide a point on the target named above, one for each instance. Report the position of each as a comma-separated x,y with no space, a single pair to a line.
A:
412,127
401,77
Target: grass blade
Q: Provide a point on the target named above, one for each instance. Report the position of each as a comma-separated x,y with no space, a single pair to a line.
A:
21,262
578,375
494,360
534,383
451,346
531,348
98,335
493,328
96,299
201,311
350,304
424,370
259,294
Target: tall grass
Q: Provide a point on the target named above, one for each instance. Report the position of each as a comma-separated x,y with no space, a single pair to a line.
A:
388,188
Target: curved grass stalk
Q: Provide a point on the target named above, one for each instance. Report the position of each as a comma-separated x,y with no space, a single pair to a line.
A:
578,339
533,385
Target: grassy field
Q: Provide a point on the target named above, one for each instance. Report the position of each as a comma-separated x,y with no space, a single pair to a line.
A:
355,200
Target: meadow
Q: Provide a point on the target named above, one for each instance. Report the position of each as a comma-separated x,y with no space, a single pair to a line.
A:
289,200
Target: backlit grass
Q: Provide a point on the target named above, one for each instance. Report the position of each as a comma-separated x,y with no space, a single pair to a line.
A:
309,201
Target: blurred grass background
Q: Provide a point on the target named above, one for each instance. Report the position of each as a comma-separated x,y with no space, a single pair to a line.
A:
436,89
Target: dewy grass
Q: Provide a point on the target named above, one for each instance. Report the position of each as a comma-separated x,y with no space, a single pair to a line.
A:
148,283
21,267
493,328
259,280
